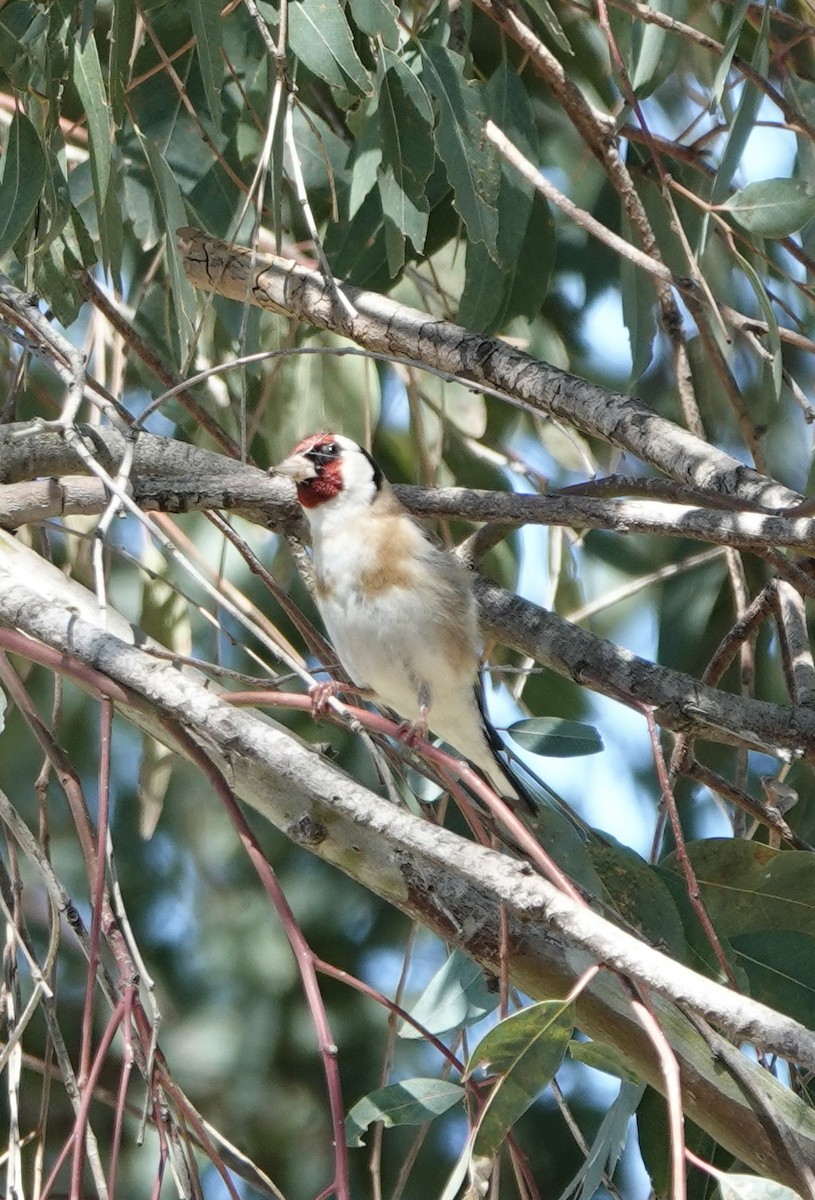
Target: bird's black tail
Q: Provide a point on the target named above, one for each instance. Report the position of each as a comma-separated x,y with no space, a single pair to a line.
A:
498,750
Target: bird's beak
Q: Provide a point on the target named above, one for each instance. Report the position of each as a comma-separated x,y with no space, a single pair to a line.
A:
296,467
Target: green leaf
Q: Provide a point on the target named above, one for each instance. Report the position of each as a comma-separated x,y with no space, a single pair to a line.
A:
90,86
320,36
554,737
606,1149
455,997
410,1102
751,1187
654,51
22,182
405,122
206,24
122,33
747,887
744,122
780,967
773,333
602,1057
471,163
639,303
737,18
640,896
773,208
525,1050
544,10
377,18
172,217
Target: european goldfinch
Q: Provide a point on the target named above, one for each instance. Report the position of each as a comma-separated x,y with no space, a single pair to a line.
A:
399,611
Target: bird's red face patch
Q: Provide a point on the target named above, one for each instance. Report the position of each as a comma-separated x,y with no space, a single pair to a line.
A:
315,466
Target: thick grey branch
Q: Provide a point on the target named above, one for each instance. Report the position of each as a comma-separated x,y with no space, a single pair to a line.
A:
172,477
383,325
453,886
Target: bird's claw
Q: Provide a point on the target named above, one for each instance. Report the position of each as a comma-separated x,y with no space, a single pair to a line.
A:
411,732
320,693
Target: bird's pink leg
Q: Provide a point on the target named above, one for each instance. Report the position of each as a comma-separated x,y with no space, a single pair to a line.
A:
412,732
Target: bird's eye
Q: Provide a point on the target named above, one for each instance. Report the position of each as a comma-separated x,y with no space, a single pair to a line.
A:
323,453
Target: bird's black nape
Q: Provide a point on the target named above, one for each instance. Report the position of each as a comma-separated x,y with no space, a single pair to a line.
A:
377,474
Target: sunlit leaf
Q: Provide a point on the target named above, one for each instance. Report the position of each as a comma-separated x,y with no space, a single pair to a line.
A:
410,1102
752,1187
524,1050
320,36
472,166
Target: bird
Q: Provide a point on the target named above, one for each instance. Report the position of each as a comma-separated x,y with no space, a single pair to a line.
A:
400,611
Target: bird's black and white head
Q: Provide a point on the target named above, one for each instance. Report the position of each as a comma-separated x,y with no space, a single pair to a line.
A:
329,469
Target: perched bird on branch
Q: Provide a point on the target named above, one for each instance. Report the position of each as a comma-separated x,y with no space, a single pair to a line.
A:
400,612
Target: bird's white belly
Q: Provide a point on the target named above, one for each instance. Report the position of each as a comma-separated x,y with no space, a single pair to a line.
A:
382,643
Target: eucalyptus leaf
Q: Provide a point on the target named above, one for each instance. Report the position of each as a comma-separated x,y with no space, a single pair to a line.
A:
524,1050
773,208
22,181
456,996
206,23
320,36
555,737
471,163
410,1102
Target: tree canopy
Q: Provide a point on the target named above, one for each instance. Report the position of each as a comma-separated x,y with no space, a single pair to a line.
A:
552,264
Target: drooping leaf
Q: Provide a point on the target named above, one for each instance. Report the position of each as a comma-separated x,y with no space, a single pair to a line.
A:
524,1050
206,23
122,33
377,18
22,181
773,208
639,312
744,122
172,217
738,15
608,1145
655,50
405,121
320,36
544,10
91,88
554,737
455,997
471,163
602,1057
773,332
410,1102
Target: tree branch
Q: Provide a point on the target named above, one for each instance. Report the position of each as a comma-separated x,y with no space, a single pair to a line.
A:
455,887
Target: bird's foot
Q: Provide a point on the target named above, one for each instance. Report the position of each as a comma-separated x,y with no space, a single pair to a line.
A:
411,732
320,694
